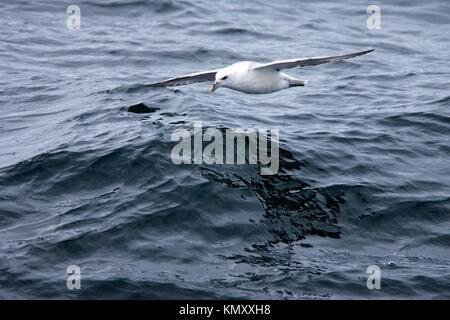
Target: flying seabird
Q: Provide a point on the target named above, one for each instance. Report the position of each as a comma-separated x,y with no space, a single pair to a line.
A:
253,77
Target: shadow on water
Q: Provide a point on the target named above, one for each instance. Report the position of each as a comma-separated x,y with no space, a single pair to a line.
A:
141,108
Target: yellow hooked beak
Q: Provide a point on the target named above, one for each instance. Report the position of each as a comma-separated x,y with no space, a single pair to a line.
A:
213,88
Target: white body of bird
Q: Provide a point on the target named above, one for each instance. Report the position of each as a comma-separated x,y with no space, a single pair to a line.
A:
244,77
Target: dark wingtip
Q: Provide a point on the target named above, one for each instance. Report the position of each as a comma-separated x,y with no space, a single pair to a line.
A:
361,53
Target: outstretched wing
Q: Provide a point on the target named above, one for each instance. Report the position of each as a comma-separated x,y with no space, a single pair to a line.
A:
303,62
186,79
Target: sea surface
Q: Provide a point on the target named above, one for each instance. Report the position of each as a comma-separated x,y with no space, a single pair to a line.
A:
364,175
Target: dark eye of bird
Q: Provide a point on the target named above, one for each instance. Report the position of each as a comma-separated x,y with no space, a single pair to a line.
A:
224,77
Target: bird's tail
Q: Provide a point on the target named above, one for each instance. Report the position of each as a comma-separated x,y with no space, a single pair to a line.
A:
297,83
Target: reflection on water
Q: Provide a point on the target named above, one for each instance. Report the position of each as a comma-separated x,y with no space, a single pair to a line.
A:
293,210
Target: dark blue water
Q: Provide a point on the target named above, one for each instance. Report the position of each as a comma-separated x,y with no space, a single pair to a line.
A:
364,173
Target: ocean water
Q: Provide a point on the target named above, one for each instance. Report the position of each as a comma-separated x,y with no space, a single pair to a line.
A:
364,175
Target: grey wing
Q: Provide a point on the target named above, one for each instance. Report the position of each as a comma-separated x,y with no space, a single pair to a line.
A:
186,79
303,62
